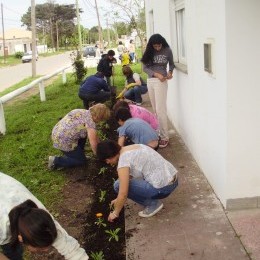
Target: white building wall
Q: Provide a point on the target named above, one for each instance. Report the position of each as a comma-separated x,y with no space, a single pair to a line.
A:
218,116
196,100
243,80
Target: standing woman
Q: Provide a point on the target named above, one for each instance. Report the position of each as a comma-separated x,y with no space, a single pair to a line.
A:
155,59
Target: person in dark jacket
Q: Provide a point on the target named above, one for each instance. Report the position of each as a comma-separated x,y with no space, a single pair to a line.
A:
105,65
94,89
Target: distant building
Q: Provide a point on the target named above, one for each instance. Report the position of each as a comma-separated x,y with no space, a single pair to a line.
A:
16,40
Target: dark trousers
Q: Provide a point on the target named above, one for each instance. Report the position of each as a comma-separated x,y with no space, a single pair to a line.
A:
100,97
72,158
13,253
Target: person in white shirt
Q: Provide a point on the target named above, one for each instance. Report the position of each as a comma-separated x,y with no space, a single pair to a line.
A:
25,222
144,176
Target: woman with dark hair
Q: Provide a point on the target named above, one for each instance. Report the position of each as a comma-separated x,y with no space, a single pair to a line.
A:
25,222
138,112
135,86
155,59
144,176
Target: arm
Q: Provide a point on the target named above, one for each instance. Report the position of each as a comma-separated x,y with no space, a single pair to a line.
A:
93,139
3,257
151,73
121,140
104,85
137,79
68,246
118,203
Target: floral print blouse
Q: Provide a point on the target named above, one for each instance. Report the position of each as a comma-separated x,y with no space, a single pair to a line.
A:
71,128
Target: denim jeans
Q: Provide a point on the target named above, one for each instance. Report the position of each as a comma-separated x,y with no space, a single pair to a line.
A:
135,94
13,253
142,192
72,158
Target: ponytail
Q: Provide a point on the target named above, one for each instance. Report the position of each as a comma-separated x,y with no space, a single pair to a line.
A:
35,225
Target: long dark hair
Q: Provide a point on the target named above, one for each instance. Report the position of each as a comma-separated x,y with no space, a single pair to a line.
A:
107,149
35,225
149,51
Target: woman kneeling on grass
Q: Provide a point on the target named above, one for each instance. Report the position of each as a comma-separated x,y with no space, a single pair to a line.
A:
144,176
24,222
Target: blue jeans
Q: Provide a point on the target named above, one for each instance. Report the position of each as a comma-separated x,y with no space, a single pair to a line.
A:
13,253
135,93
143,193
72,158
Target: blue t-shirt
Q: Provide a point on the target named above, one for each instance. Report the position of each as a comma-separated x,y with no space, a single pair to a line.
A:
139,131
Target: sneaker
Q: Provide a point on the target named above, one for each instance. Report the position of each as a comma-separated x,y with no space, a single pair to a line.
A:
150,211
51,162
163,143
138,104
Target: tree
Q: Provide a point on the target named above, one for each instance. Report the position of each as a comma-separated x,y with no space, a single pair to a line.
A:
52,19
131,12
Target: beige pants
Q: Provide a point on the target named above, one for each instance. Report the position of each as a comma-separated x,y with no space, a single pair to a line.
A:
158,94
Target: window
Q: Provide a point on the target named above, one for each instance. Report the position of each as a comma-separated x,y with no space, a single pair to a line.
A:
180,30
209,56
180,15
151,22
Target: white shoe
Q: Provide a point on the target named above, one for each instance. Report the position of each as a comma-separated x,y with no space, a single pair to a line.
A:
150,211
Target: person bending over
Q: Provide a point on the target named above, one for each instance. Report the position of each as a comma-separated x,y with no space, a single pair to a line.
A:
94,89
135,129
144,176
138,112
70,134
26,223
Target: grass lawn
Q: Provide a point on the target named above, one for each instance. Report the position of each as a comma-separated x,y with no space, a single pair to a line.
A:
27,144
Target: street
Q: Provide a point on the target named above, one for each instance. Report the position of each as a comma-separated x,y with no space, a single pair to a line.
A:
45,65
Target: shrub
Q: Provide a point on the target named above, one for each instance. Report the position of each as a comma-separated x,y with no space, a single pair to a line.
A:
78,64
18,55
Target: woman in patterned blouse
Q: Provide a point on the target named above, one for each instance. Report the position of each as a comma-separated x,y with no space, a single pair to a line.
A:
69,135
144,176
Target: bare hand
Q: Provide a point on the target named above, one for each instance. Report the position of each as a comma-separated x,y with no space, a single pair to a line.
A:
111,217
169,75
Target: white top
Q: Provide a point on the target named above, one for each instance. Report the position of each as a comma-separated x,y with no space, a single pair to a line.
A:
13,193
144,162
136,77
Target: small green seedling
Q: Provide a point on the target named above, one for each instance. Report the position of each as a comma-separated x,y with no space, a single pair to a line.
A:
113,234
102,196
102,170
97,255
100,222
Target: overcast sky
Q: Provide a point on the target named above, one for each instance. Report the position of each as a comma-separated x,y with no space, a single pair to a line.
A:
14,9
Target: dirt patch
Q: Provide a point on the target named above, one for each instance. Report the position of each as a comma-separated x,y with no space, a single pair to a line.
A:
82,200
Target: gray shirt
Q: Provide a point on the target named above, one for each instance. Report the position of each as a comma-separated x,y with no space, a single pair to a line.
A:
160,60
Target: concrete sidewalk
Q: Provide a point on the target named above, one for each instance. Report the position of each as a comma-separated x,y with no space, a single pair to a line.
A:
192,225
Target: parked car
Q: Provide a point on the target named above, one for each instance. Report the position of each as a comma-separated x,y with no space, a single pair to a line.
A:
89,51
27,57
